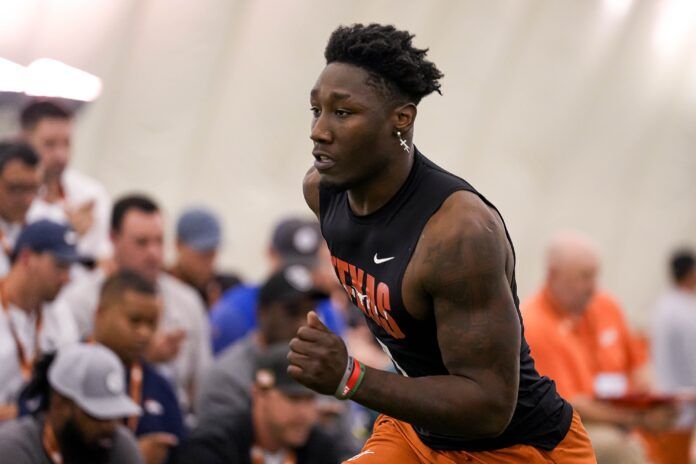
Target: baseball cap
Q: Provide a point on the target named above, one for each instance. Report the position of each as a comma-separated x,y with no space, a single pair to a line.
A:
52,237
297,240
291,283
200,229
93,377
271,371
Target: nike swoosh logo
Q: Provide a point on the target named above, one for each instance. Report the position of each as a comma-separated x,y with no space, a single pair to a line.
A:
382,260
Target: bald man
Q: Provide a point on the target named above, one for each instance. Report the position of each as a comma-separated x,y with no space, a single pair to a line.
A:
580,339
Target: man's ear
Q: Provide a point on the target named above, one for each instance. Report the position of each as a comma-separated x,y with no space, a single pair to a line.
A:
403,118
23,256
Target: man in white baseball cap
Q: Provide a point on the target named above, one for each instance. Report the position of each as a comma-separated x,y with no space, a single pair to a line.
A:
88,402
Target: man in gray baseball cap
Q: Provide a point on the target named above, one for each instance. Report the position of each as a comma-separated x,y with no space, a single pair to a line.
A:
87,404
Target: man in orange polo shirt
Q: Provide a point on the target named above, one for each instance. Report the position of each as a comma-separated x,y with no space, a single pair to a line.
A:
580,339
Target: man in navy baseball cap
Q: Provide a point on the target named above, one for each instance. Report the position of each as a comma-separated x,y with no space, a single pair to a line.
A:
41,260
49,237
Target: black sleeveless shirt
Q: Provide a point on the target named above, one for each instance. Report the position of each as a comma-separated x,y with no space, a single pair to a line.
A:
370,255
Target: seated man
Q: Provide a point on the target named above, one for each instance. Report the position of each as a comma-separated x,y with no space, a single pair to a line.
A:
181,345
198,240
19,182
279,428
81,425
294,241
284,301
29,324
125,322
579,338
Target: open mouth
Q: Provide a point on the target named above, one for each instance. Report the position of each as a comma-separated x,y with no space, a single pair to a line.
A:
322,162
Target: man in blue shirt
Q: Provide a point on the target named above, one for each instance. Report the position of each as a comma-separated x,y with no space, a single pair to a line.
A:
294,241
125,322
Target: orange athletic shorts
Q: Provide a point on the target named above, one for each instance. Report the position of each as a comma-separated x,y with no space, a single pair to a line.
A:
395,442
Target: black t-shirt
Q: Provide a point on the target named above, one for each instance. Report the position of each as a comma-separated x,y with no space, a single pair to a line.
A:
370,255
229,439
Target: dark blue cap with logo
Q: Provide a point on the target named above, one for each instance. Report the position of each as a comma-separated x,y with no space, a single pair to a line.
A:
49,237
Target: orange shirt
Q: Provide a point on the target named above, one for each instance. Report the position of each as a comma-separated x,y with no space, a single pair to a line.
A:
578,352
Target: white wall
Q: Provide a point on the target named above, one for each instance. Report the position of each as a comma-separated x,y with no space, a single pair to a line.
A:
566,114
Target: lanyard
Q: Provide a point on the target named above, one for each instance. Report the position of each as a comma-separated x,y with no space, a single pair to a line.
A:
135,390
257,456
135,387
51,444
25,364
4,244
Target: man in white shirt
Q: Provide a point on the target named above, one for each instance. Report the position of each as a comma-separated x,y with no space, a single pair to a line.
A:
19,182
66,195
41,262
181,347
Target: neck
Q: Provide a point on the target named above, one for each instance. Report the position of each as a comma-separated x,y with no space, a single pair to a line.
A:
262,433
54,190
178,271
374,194
20,293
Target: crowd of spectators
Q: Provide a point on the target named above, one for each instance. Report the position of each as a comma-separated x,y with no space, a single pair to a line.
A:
110,355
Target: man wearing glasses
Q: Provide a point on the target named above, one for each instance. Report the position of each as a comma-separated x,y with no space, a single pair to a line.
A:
19,182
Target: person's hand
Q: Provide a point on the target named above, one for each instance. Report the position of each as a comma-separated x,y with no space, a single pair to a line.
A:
165,345
81,217
659,418
155,446
318,357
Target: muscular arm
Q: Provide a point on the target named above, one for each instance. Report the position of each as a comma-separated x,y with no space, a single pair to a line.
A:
460,263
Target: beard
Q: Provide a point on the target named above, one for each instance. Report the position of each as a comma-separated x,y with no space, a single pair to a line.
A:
75,448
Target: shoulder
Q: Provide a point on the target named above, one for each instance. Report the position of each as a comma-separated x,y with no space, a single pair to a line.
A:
19,430
174,289
19,440
233,364
87,284
156,380
464,236
82,183
240,298
310,189
464,212
125,449
224,435
82,294
244,349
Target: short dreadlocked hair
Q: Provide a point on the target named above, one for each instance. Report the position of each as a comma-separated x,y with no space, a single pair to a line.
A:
396,67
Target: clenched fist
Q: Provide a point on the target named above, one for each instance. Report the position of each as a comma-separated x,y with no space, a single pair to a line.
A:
318,357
